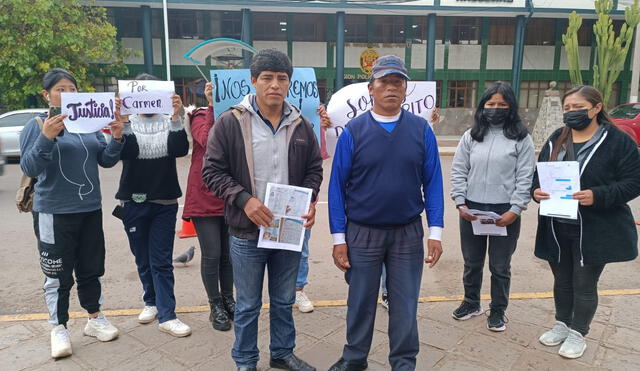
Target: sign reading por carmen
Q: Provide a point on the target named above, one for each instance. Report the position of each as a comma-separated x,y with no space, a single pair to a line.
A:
146,96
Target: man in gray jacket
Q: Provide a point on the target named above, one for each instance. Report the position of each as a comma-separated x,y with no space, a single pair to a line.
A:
263,139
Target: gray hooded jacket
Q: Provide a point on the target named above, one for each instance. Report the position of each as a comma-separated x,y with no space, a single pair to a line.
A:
497,170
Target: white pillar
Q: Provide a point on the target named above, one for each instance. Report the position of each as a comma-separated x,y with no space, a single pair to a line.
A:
166,39
635,69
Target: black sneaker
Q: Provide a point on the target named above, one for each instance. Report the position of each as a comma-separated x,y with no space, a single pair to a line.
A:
385,300
497,320
466,310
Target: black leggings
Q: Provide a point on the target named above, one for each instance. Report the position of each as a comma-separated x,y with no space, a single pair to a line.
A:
575,287
215,265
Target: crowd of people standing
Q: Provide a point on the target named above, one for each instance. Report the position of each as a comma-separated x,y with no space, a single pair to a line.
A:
385,173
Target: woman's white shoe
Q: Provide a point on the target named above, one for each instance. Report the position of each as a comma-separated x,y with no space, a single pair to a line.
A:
148,314
60,342
574,346
556,335
175,327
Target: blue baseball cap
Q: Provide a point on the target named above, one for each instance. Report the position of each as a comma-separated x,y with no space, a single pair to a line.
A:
387,65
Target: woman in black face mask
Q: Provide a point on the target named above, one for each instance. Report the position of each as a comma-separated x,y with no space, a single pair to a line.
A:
492,171
577,250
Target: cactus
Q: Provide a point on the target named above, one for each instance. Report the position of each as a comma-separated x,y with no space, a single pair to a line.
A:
570,42
611,51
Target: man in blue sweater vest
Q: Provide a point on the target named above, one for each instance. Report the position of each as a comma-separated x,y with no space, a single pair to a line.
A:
386,170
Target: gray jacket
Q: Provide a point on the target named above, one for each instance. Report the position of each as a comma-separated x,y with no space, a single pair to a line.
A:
497,170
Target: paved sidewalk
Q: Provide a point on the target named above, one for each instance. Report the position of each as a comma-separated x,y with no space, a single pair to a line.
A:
446,344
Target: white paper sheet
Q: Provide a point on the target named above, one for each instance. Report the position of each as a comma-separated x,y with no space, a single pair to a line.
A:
288,204
560,179
87,112
485,224
146,96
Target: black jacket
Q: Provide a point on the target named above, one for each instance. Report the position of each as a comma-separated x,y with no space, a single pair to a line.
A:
608,231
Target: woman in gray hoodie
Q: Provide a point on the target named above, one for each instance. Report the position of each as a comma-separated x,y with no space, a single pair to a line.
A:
492,170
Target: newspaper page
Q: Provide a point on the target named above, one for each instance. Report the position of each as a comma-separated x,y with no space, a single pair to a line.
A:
288,204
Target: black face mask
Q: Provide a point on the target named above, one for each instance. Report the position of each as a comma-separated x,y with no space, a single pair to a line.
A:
577,120
495,116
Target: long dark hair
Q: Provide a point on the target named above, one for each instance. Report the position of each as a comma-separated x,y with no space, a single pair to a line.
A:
591,95
513,127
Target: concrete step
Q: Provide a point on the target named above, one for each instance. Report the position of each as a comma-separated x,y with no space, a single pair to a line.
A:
447,144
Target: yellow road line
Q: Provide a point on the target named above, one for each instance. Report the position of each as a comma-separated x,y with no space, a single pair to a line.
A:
318,303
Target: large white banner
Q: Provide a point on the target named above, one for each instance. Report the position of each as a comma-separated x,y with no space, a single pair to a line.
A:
146,96
354,100
87,112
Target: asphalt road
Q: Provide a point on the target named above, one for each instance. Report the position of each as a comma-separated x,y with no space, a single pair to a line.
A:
21,289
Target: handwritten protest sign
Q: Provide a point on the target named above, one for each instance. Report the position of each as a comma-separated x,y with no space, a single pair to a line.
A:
87,112
354,100
231,86
146,96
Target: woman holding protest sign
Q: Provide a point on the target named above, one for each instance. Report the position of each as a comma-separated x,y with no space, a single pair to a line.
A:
492,172
207,213
67,210
149,192
604,232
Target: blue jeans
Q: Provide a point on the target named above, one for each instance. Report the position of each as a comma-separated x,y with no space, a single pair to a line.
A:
249,264
151,230
303,270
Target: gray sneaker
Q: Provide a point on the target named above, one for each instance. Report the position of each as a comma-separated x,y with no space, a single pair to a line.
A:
573,346
466,310
556,335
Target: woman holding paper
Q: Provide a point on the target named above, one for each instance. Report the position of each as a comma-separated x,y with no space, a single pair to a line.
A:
604,232
149,192
491,172
67,211
207,213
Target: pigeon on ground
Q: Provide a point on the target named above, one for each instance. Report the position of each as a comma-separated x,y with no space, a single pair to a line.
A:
186,256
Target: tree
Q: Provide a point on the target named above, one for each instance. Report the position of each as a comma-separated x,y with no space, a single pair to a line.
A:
37,35
611,51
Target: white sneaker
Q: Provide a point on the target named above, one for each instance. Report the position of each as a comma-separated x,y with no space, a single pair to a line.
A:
101,328
303,303
556,335
573,346
60,342
148,314
175,327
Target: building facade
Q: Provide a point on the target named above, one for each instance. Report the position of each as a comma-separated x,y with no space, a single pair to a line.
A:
462,44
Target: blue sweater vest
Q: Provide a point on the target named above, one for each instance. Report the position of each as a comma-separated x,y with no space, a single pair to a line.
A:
385,187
